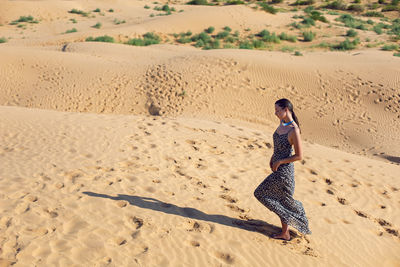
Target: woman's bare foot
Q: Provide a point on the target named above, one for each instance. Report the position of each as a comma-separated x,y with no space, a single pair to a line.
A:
283,236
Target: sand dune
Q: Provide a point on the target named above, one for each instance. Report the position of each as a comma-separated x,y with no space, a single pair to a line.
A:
118,155
179,191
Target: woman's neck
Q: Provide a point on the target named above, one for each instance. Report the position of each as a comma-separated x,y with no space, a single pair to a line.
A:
287,119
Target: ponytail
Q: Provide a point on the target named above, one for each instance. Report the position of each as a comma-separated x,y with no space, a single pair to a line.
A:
296,120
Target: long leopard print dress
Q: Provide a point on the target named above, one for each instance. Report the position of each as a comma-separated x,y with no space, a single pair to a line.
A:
276,191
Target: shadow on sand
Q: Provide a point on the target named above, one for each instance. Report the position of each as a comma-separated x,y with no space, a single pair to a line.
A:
392,158
157,205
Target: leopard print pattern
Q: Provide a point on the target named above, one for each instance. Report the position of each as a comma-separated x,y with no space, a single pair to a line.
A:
276,191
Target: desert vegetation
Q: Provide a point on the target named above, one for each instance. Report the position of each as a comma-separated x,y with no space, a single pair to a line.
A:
24,19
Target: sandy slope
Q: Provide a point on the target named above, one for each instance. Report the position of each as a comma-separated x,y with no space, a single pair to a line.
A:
348,100
90,175
135,190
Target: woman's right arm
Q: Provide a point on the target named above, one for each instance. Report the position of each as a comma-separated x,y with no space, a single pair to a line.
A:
270,163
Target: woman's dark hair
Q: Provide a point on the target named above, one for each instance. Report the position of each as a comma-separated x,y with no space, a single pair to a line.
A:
285,103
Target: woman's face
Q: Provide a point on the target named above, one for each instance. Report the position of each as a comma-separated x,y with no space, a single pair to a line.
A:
280,112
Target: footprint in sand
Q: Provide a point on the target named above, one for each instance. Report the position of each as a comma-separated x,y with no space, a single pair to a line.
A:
195,226
225,257
235,208
122,203
103,262
229,198
330,192
342,201
361,214
119,241
22,208
224,189
136,221
194,243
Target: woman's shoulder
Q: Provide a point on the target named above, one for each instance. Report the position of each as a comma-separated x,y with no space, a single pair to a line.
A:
295,129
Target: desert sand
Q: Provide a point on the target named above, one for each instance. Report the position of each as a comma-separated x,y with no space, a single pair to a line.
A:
120,155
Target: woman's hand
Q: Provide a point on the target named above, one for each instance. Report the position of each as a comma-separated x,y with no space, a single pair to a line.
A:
275,165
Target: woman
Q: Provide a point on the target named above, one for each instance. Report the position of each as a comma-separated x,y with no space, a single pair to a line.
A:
276,191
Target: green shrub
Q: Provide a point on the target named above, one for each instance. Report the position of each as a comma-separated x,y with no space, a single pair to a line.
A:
165,8
184,40
231,39
111,10
246,45
266,36
396,54
356,8
227,29
303,3
198,2
351,22
267,8
373,14
298,53
3,40
333,13
28,19
291,38
199,43
222,35
97,25
148,39
201,36
210,29
337,5
276,1
104,38
351,33
390,47
234,2
97,10
308,9
258,43
324,45
308,22
394,29
296,25
229,46
214,44
373,6
390,8
117,22
378,29
79,12
287,49
146,7
347,44
316,15
357,1
308,36
73,20
71,31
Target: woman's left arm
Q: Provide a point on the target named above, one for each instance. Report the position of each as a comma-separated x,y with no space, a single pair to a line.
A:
295,139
